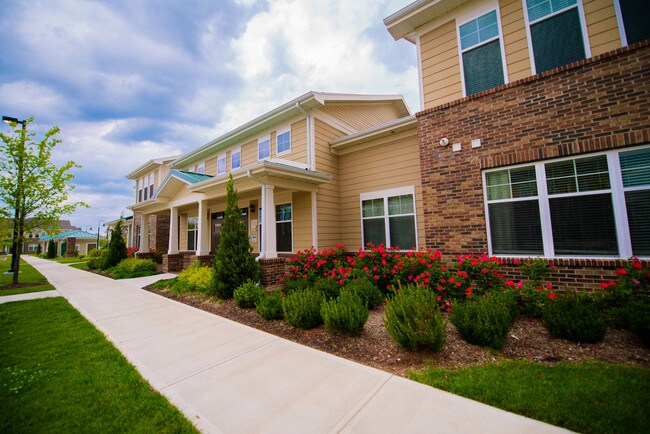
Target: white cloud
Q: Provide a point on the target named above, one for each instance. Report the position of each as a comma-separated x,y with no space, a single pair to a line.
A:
26,98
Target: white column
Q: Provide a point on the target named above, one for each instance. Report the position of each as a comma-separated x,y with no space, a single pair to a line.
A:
203,239
173,231
144,234
268,225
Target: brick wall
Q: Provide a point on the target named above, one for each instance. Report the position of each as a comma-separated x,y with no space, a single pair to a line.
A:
172,263
159,233
272,271
596,104
71,248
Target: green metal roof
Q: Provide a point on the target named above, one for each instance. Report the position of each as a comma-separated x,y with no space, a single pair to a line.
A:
190,177
75,234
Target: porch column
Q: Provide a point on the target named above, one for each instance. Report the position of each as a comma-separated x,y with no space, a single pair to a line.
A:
203,238
144,234
173,231
269,241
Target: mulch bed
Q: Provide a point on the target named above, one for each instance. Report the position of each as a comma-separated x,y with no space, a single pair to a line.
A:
527,339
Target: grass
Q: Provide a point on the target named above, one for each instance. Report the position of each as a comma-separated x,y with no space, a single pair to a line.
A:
80,266
28,274
67,260
585,396
26,289
60,374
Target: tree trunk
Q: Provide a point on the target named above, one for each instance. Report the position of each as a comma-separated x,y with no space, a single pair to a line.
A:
19,248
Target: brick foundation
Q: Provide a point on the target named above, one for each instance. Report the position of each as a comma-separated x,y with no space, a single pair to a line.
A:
204,260
593,105
272,271
172,263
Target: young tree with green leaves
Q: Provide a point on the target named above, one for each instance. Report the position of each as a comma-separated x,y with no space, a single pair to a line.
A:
34,191
234,263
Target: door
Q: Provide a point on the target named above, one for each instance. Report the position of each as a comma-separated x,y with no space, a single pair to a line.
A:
64,248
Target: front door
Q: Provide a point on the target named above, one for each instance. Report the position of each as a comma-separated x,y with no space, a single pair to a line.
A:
64,248
216,223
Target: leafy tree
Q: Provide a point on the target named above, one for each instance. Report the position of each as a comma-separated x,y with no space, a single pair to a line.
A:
117,250
51,249
233,263
34,191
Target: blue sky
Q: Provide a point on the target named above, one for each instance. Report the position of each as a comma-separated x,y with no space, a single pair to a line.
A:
132,80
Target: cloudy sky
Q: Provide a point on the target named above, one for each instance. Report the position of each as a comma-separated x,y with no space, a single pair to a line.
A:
132,80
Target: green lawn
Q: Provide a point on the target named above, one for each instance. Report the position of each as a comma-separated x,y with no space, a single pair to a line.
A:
66,260
80,266
60,374
590,397
28,274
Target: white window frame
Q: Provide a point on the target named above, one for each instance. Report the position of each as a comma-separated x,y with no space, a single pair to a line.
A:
195,230
259,143
139,193
151,182
280,131
616,190
222,157
583,26
290,203
385,194
477,12
233,152
621,25
200,168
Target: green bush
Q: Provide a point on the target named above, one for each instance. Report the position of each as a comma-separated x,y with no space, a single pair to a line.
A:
367,291
51,249
413,319
291,285
485,320
248,295
328,286
634,316
302,308
347,314
270,306
132,267
117,250
575,317
97,259
196,277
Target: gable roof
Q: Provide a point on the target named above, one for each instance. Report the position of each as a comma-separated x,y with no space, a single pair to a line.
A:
150,165
75,234
402,23
296,107
176,179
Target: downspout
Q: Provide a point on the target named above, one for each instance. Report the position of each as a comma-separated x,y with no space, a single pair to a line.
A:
255,178
310,138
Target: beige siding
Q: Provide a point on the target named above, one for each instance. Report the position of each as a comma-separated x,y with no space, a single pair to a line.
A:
362,116
328,203
515,41
249,153
391,165
183,232
301,221
602,26
211,166
298,143
440,65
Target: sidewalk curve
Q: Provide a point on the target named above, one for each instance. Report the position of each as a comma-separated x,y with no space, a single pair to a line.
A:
229,378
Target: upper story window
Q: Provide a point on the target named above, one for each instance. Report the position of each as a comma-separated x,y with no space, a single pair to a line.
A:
221,164
284,140
263,148
388,218
557,32
140,190
151,181
595,205
481,53
632,20
145,183
235,159
200,168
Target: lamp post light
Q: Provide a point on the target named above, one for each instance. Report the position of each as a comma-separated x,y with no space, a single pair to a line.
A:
100,224
15,244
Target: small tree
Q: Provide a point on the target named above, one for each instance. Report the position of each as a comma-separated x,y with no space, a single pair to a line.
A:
117,250
39,249
51,249
233,263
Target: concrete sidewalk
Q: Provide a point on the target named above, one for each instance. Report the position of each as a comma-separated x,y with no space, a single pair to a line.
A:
230,378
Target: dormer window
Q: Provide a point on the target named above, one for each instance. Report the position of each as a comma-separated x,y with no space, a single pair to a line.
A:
263,148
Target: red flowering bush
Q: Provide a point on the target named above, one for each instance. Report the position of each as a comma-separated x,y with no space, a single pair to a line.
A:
310,264
131,251
632,283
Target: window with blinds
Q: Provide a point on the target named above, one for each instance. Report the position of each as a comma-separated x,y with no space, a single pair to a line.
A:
556,33
635,17
481,53
635,171
389,220
283,227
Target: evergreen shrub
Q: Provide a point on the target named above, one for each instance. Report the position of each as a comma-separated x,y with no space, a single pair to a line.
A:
302,308
366,290
196,277
291,285
270,306
328,286
575,317
248,295
132,267
51,249
347,314
117,250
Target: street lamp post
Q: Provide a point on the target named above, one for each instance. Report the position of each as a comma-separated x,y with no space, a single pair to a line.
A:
100,224
15,245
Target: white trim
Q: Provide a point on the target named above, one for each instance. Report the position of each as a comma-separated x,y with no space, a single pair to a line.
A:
314,220
235,151
621,24
278,132
418,50
261,140
311,142
384,195
583,27
293,247
225,164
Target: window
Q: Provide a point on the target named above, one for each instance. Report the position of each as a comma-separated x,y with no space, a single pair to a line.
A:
139,190
221,165
568,207
632,20
263,148
200,168
481,53
389,218
284,140
192,232
137,236
151,178
36,235
145,183
557,33
283,227
32,248
235,159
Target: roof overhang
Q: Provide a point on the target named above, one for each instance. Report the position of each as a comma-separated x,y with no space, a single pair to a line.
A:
286,112
389,131
149,166
403,23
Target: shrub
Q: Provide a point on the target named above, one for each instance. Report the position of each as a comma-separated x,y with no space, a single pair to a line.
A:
575,317
485,320
531,297
233,263
291,285
51,249
270,306
196,277
248,294
413,319
116,247
97,259
638,318
347,314
367,291
328,286
537,270
39,249
132,267
302,308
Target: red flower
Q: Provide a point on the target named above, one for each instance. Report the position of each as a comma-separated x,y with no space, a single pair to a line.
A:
552,296
604,285
621,272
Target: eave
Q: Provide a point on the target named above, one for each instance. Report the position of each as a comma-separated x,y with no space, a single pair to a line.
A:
403,23
389,131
